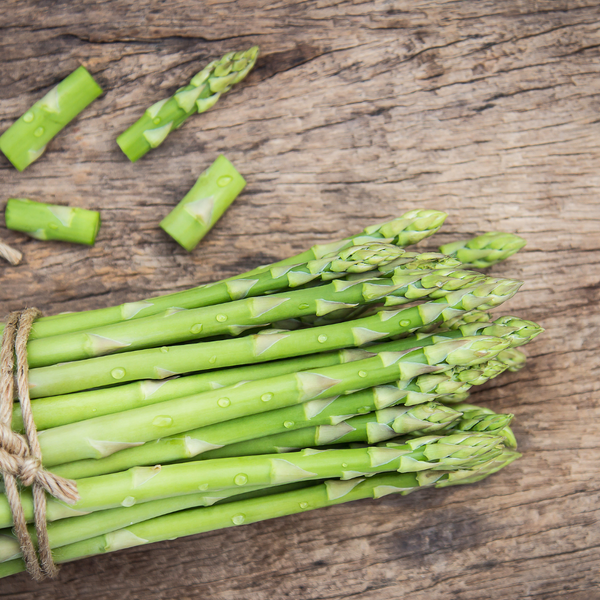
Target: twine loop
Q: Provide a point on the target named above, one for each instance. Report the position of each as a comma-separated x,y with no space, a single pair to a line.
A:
20,455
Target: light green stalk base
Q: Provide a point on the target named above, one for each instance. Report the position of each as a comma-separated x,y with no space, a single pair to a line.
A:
52,222
25,141
201,94
204,204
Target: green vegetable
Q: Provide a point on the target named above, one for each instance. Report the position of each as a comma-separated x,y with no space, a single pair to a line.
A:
52,221
25,140
235,317
412,227
202,93
484,250
143,484
251,510
204,204
329,411
160,363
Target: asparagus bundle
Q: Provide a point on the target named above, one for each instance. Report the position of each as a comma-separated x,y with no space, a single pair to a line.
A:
283,389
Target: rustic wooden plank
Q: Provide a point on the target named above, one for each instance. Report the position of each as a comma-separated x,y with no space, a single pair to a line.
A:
356,112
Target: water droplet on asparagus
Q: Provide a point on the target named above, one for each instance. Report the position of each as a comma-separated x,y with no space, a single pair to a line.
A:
118,373
223,402
221,318
28,117
404,323
345,465
212,360
203,487
156,120
238,519
364,409
240,479
303,306
266,397
162,421
288,424
303,505
224,180
129,501
322,339
39,132
52,226
197,328
362,373
164,349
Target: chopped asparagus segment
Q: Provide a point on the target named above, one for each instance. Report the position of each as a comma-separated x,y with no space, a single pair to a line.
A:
52,222
204,204
25,141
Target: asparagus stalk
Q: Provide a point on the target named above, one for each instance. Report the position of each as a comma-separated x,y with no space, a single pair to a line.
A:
199,95
102,436
70,408
204,204
167,361
233,434
370,428
408,229
26,139
52,222
143,484
74,529
220,516
249,313
484,250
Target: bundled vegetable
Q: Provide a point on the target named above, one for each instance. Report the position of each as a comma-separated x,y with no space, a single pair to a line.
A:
301,384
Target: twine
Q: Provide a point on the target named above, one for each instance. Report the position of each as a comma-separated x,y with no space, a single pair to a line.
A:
10,254
20,455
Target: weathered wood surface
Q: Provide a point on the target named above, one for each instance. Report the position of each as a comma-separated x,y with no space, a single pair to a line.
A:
356,112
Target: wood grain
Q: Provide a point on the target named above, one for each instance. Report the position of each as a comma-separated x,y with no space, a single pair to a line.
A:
356,112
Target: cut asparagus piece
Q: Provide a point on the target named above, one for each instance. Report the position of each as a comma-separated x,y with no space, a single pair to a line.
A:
26,139
167,361
102,436
204,204
408,229
484,250
220,516
52,222
143,484
198,96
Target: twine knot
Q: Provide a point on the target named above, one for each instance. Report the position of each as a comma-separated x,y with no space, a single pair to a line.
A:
20,455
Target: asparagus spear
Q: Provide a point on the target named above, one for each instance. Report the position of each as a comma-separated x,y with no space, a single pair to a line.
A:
52,222
484,250
328,493
234,433
143,484
168,361
70,408
103,436
235,317
204,204
25,140
404,231
203,91
74,529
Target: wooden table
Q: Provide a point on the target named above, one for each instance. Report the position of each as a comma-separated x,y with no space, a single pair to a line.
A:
356,112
